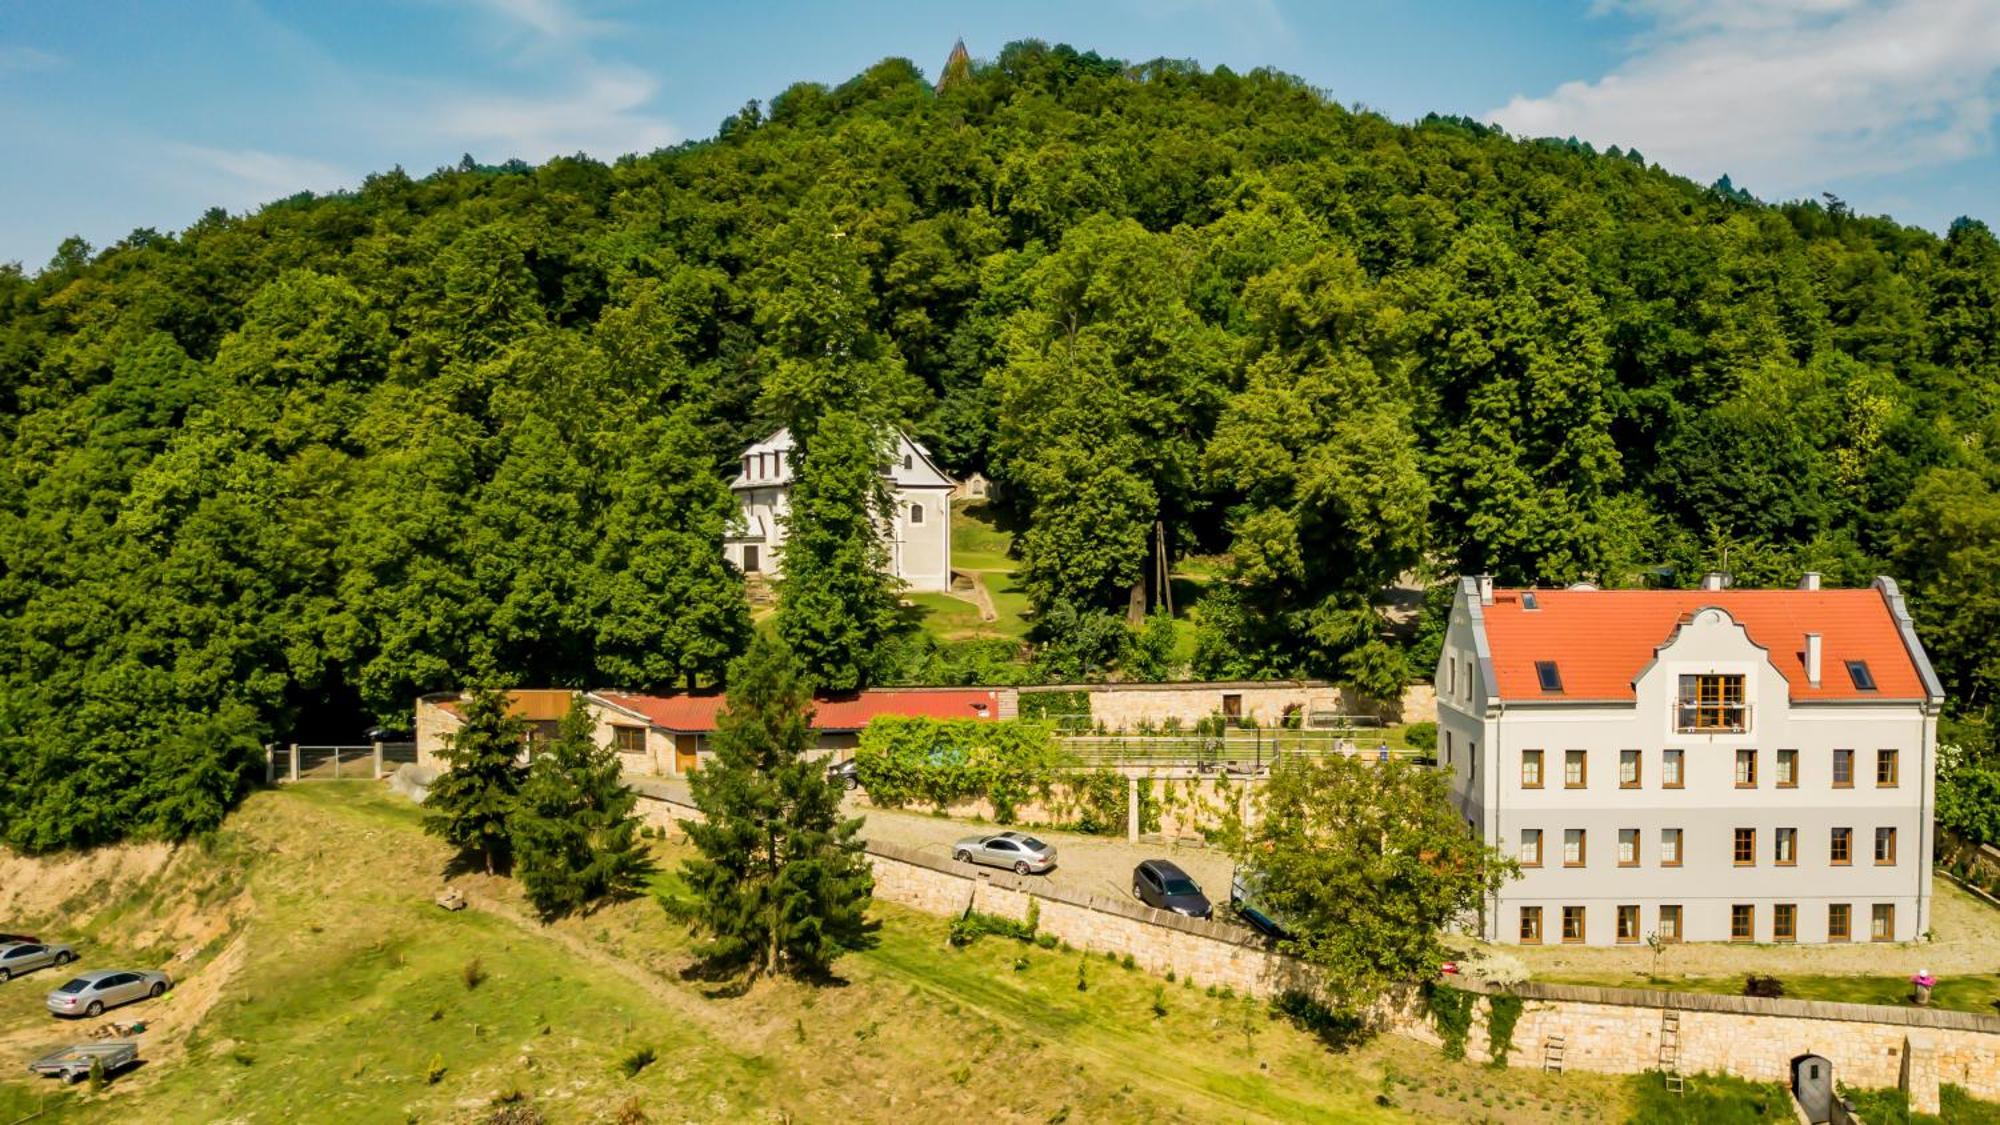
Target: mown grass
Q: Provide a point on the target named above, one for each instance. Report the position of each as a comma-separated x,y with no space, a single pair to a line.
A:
1892,1107
1966,993
1708,1099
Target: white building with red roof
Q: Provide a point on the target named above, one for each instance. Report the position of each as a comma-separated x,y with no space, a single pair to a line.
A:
1706,765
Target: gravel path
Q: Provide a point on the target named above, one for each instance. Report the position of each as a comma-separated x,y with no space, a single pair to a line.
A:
1099,865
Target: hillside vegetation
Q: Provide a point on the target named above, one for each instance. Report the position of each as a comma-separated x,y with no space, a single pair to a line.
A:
284,471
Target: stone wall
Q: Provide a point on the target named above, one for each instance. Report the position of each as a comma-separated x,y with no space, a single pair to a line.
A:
1127,706
1607,1030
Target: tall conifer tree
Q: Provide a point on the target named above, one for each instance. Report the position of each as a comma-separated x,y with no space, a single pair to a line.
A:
470,804
781,879
575,838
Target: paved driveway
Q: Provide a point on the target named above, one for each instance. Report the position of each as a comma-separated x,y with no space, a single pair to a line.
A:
1099,865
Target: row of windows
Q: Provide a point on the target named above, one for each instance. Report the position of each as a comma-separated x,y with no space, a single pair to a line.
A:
1742,923
1673,769
1743,847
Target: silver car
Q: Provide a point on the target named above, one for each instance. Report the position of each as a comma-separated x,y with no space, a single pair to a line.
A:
1017,851
91,993
27,956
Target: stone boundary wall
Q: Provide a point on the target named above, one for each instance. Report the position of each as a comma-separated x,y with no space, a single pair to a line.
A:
1125,706
1608,1030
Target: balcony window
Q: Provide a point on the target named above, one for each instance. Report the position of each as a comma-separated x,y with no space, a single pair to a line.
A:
1712,704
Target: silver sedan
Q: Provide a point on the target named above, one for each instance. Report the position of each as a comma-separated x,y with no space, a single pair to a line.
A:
91,993
27,956
1016,851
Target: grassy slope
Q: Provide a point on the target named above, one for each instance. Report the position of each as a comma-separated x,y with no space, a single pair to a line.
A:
354,987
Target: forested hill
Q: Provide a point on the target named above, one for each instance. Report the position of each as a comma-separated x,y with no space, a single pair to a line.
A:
289,468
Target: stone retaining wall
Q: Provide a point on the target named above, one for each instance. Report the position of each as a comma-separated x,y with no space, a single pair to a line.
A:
1608,1030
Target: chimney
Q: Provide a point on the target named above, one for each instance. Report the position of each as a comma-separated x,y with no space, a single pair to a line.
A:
1812,659
1714,580
1810,581
1485,589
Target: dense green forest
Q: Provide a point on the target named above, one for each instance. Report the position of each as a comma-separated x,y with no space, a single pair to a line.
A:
285,471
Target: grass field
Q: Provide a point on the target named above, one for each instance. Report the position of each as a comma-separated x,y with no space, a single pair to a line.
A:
345,995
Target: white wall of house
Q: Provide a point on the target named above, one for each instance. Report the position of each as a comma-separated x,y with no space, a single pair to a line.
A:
917,533
1485,743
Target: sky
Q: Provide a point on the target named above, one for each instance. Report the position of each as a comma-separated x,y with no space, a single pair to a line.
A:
117,114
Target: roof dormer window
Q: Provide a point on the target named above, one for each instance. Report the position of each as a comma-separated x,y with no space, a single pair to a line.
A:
1864,680
1528,601
1550,677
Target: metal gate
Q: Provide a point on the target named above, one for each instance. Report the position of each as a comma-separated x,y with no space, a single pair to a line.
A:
362,761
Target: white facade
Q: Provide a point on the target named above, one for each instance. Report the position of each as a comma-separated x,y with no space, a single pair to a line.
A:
918,535
1799,811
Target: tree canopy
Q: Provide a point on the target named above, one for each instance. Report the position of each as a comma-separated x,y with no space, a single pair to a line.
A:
285,471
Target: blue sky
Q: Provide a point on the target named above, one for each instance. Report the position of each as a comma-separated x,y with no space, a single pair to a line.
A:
117,114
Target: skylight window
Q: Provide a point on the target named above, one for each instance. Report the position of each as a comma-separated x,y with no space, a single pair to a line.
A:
1549,675
1864,680
1528,600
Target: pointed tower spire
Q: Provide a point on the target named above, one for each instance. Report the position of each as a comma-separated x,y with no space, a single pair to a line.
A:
957,67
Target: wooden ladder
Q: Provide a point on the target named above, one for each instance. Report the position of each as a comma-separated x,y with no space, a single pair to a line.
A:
1670,1049
1552,1054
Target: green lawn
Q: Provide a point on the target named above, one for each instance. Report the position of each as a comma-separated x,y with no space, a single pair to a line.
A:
1964,993
977,543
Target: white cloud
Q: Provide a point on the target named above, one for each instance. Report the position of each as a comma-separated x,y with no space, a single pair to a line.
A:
602,113
1788,95
253,176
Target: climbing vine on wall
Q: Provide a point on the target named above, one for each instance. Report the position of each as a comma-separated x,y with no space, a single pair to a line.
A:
1503,1012
1451,1013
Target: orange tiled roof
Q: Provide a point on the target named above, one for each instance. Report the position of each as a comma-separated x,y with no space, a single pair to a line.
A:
697,712
537,705
1601,639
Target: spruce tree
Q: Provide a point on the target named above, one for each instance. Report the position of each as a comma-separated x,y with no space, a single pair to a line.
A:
837,602
781,880
470,804
575,838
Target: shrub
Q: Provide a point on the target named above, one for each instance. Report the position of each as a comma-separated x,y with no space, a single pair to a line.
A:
632,1112
636,1060
474,974
907,761
1338,1029
1422,736
434,1073
1770,988
1159,1001
1083,974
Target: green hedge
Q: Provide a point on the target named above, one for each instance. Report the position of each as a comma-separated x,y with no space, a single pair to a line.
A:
942,762
1069,710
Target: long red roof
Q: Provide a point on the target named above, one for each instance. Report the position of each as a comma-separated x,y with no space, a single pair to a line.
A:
697,712
1601,639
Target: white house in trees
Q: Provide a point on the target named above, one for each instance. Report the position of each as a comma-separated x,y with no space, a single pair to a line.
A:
918,534
1706,765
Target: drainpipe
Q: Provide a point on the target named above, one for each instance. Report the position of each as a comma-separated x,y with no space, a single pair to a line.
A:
1926,830
1499,752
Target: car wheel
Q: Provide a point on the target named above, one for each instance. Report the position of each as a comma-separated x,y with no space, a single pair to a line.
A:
4,976
65,958
961,856
96,1009
156,990
1136,894
1020,867
854,783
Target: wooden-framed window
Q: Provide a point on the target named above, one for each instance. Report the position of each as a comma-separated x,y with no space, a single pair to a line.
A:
1785,922
1628,924
1670,923
1788,769
1785,847
1531,847
1628,847
1888,772
1746,769
1531,925
1840,848
1745,850
916,513
1531,769
1673,766
1843,769
1839,922
1712,703
628,740
1628,769
1576,769
1670,847
1742,922
1882,923
1573,847
1885,847
1572,923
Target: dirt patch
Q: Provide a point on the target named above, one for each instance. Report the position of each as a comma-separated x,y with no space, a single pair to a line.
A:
39,888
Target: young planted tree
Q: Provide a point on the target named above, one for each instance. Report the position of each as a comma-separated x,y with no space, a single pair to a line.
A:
781,881
1367,863
575,838
471,803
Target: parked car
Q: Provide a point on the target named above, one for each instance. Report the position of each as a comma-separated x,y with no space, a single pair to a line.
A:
27,956
91,993
385,734
845,774
72,1064
1018,851
1244,885
1162,885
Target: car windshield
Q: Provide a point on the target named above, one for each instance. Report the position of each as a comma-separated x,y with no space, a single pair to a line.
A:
1182,887
77,985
